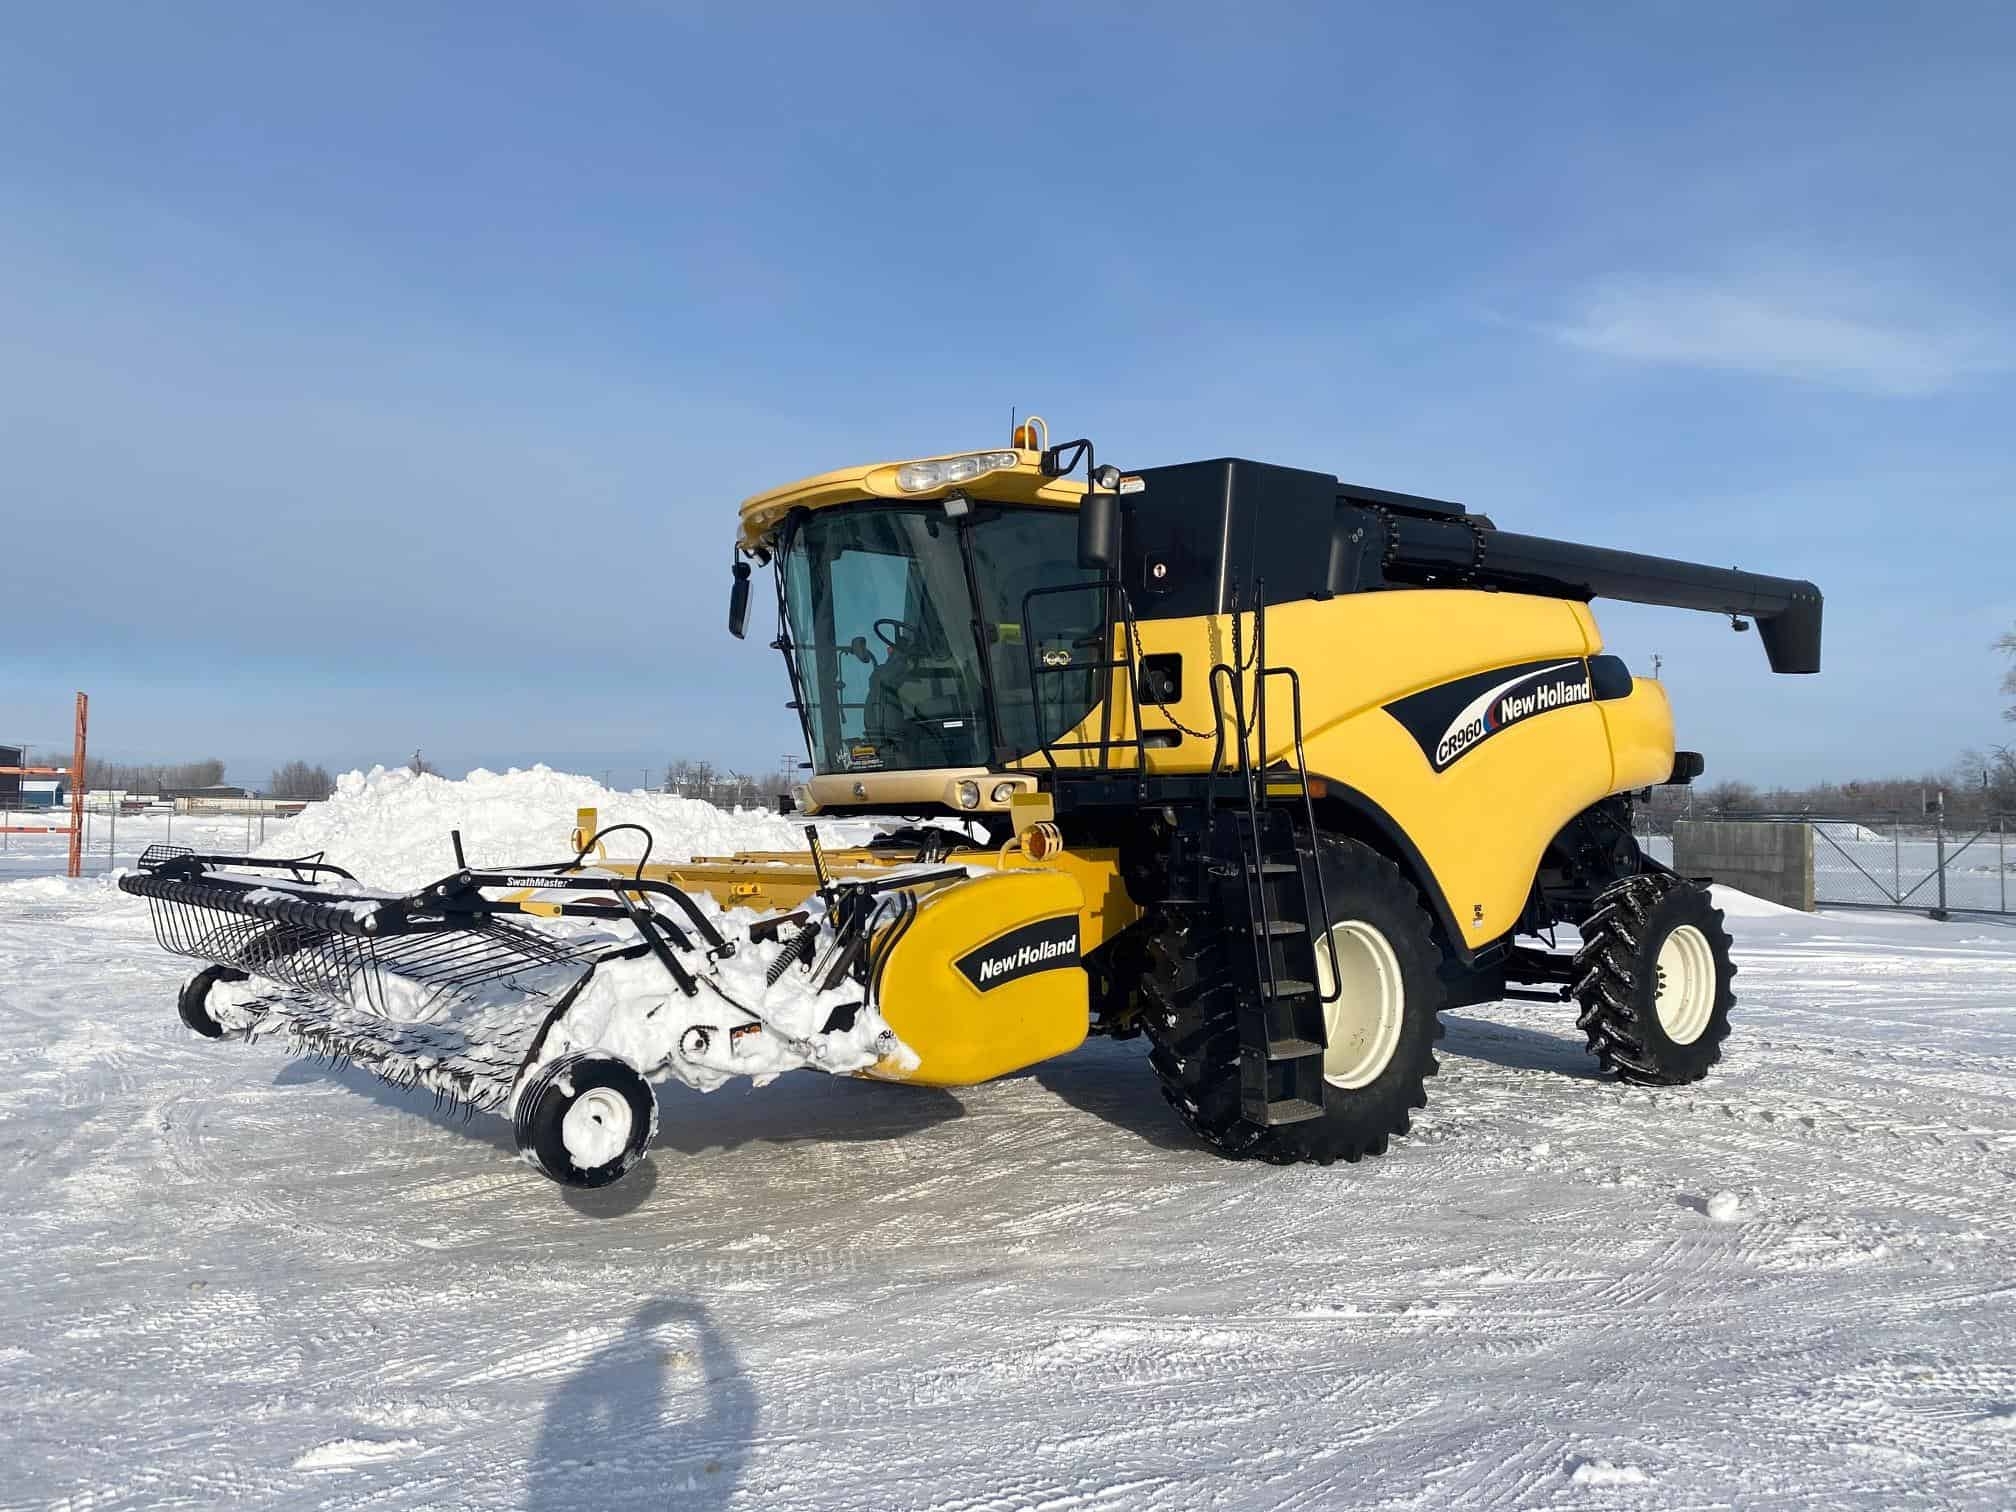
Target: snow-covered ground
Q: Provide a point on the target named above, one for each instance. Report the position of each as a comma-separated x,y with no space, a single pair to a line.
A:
226,1278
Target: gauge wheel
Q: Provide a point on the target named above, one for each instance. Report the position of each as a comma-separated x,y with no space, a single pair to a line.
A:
193,1005
585,1120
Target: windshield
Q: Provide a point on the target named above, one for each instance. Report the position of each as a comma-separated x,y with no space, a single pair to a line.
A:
897,667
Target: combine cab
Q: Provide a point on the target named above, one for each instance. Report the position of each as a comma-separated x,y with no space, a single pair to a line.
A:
1266,767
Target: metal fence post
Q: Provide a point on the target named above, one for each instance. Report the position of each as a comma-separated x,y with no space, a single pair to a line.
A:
2002,857
1896,859
112,839
1939,856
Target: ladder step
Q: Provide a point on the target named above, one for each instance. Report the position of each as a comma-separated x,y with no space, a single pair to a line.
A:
1292,1049
1278,928
1287,987
1290,1110
1277,868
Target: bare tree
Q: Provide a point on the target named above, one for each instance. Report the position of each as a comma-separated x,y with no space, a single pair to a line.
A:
725,788
151,777
1723,797
2007,646
420,766
297,779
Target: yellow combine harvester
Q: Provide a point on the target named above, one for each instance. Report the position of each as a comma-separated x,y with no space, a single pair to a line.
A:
1266,767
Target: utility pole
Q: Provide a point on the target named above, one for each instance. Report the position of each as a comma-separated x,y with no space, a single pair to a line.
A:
1658,661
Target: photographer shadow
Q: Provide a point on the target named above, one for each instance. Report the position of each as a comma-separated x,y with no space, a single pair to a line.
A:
665,1405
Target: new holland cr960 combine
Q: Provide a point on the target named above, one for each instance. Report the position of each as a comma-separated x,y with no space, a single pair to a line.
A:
1263,766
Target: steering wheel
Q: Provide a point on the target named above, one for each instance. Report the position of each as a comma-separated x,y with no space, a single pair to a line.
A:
904,633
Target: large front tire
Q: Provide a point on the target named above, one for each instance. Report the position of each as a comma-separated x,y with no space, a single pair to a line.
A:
1382,1028
1654,979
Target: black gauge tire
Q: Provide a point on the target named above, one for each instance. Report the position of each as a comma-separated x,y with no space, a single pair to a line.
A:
539,1122
193,1004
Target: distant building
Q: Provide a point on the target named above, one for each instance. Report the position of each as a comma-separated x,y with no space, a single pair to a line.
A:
221,790
22,792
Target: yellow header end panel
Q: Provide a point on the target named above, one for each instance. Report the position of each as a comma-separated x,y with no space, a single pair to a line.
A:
988,979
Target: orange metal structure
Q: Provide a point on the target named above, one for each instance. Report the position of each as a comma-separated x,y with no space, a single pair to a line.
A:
76,774
32,829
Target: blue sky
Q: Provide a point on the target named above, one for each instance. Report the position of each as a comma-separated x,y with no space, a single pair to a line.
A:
393,374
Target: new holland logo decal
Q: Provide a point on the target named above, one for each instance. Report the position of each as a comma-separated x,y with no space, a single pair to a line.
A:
1452,720
1046,945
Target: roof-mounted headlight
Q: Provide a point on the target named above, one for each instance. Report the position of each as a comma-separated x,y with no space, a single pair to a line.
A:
923,477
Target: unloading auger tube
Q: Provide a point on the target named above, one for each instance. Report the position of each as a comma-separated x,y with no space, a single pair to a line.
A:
556,993
1468,551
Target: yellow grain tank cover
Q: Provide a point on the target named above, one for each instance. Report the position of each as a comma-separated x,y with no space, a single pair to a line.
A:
987,980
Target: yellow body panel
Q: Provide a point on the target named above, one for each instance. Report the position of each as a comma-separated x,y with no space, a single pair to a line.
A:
1481,826
781,880
963,1033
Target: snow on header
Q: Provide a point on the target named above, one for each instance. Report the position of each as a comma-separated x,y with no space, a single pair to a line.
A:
391,827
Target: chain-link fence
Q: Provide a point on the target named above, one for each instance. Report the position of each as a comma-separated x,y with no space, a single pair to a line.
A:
1898,861
1889,862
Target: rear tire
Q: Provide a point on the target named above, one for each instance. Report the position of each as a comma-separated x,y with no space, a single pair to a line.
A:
193,1005
1654,979
1383,1029
585,1120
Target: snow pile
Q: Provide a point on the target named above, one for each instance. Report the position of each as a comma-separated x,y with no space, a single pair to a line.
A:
1852,834
1742,905
740,1024
350,1453
53,889
391,827
1600,1472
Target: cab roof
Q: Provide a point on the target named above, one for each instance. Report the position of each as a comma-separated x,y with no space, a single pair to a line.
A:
1024,483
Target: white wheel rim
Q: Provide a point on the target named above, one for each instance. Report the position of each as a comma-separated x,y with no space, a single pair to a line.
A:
597,1128
1685,1000
1363,1019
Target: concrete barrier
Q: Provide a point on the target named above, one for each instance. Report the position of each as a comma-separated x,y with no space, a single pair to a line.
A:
1768,860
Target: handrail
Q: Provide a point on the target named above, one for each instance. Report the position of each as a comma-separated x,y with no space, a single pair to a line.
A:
1107,741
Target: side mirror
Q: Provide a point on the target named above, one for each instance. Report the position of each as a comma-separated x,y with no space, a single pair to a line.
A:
738,602
1098,529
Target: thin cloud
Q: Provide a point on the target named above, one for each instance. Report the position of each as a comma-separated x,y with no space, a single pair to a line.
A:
1801,334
